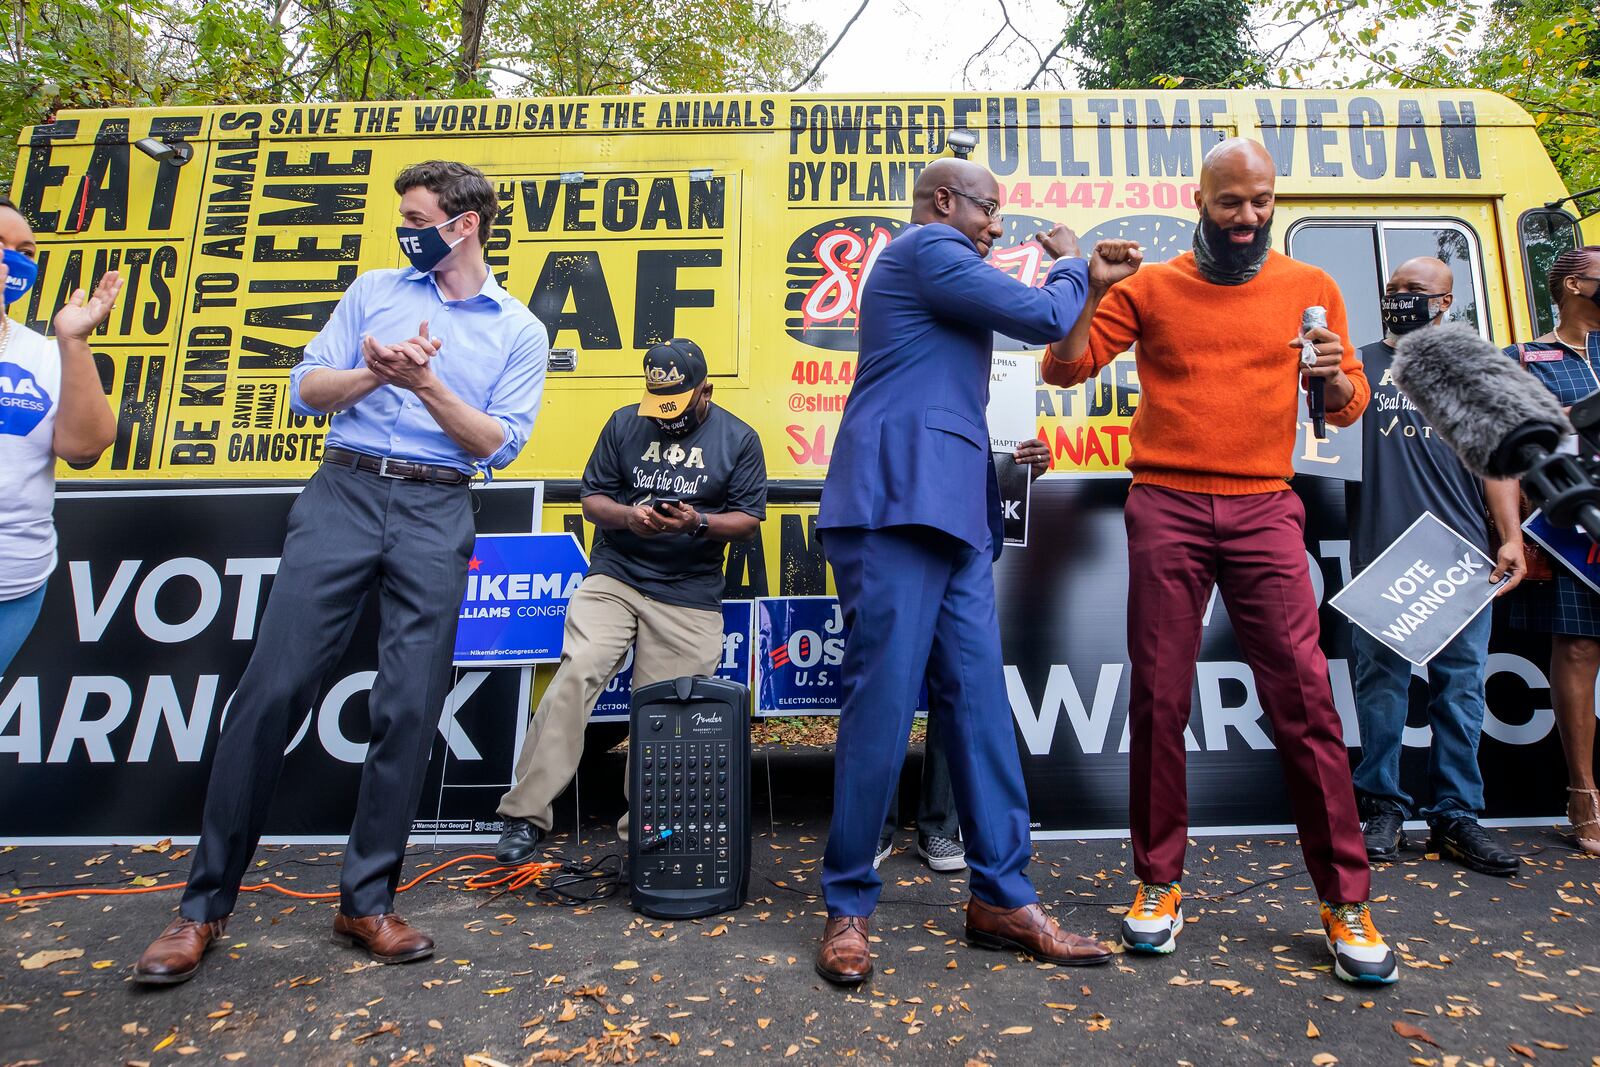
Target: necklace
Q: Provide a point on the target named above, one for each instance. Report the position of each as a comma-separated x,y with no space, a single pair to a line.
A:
1580,348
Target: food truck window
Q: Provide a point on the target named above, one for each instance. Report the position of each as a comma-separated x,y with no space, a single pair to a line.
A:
1361,255
1545,234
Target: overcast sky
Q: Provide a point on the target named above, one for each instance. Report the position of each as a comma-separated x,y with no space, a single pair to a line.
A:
907,46
915,45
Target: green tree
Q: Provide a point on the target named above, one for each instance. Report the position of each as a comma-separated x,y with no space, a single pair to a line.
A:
1136,44
143,53
590,47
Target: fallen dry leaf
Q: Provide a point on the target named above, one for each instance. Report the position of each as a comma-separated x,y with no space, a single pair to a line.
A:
1414,1033
45,957
164,1042
386,1028
1013,1030
1324,1059
1523,1050
1311,1029
626,965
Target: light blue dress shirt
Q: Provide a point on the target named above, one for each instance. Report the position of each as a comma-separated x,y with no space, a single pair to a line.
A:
493,356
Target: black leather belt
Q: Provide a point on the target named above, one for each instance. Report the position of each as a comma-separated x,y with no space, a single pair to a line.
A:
387,467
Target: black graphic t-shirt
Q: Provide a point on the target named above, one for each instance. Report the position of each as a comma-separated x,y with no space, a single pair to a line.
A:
1406,469
717,468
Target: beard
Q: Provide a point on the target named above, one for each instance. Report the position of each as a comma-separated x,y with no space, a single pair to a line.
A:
1236,258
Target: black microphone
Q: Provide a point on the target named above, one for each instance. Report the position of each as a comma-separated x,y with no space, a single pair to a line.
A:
1497,418
1316,393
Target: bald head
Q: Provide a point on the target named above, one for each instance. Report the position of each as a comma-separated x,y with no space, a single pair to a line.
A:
957,192
960,174
1237,159
1424,274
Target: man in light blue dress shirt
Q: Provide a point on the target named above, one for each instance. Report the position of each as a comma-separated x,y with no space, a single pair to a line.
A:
433,372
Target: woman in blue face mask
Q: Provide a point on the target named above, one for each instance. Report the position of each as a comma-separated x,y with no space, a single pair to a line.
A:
51,407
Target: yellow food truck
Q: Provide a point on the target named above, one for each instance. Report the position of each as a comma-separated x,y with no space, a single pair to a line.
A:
746,223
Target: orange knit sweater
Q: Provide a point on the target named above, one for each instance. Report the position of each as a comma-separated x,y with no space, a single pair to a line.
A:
1219,393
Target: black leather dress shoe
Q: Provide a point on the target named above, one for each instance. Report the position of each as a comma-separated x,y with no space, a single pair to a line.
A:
518,841
1470,845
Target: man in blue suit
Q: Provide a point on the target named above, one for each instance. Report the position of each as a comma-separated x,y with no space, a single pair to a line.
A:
911,523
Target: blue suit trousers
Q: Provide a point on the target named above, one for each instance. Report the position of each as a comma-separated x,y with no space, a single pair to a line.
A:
920,603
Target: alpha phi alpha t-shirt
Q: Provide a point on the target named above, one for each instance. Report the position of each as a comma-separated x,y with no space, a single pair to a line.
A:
1406,469
30,389
717,468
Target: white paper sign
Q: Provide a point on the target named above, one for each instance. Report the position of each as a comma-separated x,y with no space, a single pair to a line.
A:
1011,381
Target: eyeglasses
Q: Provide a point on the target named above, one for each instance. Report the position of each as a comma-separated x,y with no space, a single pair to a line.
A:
991,208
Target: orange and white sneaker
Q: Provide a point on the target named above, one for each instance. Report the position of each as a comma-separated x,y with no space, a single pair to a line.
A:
1154,918
1359,952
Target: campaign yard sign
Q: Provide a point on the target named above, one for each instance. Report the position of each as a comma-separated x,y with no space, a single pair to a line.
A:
1421,592
515,605
799,647
617,697
1571,546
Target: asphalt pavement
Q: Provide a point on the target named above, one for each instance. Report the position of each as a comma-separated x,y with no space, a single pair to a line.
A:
1494,971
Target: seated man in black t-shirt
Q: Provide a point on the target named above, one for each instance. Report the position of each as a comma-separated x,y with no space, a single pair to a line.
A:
670,482
1407,470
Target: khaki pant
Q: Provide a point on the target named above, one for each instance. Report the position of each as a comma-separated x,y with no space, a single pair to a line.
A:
604,617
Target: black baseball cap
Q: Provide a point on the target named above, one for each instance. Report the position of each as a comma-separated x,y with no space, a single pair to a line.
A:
672,372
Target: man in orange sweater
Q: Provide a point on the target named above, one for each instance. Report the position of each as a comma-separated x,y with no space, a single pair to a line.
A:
1214,334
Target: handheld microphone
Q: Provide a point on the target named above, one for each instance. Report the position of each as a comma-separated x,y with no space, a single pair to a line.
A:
1316,392
1497,419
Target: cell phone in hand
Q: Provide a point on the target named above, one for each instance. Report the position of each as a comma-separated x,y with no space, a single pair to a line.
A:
663,504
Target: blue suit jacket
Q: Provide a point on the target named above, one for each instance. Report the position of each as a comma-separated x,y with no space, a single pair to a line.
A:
913,446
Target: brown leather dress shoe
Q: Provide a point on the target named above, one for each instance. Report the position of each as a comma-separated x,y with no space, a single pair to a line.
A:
844,957
175,955
387,938
1029,929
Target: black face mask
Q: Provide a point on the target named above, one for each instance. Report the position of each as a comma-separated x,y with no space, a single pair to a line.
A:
684,424
1406,312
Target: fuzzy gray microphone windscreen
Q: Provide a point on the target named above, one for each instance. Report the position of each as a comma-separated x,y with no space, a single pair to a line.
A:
1475,396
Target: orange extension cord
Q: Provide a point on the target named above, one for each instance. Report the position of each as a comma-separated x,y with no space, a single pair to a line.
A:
512,879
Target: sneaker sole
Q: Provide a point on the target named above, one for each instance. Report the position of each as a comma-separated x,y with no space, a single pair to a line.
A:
978,939
943,864
1359,979
403,957
1147,948
880,857
1364,979
1132,944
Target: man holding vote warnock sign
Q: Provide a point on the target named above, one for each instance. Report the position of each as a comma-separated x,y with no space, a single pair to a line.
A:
1407,470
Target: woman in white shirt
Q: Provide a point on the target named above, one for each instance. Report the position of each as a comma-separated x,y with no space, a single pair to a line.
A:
51,407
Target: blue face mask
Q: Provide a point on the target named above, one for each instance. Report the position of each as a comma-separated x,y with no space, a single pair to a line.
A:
21,274
424,246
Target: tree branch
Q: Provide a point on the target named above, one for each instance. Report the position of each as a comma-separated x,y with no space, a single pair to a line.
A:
823,58
1045,62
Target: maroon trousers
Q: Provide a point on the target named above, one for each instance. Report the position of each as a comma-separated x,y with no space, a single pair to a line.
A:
1180,545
